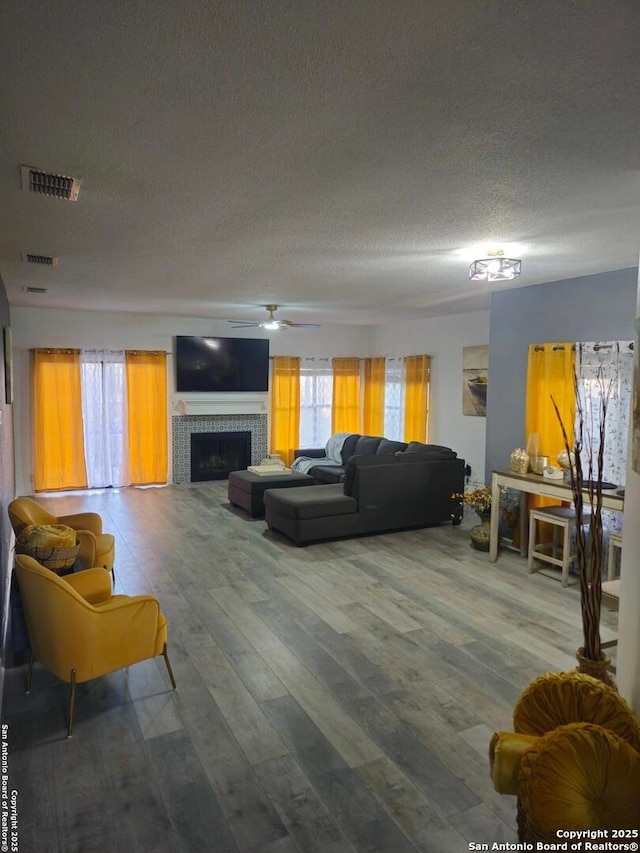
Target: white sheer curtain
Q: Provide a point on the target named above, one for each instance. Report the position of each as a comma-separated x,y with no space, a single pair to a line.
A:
104,412
606,367
316,387
394,399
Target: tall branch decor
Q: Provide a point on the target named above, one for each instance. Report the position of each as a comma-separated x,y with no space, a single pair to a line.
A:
592,660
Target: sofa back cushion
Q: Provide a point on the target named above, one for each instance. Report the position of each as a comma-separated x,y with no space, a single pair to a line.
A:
349,447
367,445
388,446
419,447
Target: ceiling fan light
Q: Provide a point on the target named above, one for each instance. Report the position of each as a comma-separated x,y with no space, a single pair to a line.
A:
271,325
495,269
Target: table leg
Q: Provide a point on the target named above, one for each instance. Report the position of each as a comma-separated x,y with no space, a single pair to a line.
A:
495,519
524,524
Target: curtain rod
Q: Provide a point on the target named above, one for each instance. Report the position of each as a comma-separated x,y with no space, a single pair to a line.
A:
56,350
598,347
359,357
540,348
76,351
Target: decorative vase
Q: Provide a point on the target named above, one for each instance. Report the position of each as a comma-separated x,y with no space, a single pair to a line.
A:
538,463
533,444
596,668
519,461
566,459
479,534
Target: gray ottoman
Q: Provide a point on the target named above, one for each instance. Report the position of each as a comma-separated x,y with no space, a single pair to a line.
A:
246,489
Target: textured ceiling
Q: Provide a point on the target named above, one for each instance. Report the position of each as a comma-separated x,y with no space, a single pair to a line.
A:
336,158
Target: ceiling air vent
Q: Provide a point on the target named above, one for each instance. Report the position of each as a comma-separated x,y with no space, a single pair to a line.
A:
41,260
30,289
46,183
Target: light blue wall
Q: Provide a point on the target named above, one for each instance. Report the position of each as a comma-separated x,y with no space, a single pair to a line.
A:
591,308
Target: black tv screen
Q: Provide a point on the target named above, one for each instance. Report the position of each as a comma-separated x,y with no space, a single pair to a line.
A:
221,364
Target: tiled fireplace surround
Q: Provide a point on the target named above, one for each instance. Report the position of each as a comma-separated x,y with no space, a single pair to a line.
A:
185,425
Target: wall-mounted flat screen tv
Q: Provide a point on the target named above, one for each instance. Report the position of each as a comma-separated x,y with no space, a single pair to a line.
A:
221,364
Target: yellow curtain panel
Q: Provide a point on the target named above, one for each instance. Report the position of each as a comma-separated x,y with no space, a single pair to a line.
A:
550,372
58,447
147,416
416,405
373,396
285,406
345,404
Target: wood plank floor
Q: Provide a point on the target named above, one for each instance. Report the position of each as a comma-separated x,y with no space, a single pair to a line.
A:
333,698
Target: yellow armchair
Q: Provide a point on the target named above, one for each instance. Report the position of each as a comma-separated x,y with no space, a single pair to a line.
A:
574,759
96,548
78,630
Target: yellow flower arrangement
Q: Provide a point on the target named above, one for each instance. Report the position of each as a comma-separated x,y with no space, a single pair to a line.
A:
478,499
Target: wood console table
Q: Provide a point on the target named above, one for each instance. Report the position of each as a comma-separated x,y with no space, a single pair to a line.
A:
534,484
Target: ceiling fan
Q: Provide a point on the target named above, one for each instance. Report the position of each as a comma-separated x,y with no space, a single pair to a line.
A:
271,323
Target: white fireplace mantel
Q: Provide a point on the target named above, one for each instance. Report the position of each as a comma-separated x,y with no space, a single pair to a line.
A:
220,404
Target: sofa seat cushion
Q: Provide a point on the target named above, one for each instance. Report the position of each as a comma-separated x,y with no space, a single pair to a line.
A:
317,502
324,474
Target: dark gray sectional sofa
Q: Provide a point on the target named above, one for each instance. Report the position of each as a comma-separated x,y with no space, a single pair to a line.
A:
364,445
379,493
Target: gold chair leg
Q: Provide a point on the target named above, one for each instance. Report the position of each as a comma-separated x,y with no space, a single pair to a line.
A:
32,657
165,655
72,702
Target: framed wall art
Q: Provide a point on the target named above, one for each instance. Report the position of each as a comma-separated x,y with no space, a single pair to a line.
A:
475,376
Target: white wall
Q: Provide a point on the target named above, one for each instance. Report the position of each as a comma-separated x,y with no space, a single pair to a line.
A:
50,327
53,327
443,338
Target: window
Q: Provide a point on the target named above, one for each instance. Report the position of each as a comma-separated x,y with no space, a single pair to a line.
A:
100,418
604,374
104,417
394,399
316,389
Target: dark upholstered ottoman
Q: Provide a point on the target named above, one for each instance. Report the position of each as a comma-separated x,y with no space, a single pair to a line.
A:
311,515
246,489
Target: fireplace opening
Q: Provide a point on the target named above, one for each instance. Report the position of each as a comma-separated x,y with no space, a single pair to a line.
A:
215,454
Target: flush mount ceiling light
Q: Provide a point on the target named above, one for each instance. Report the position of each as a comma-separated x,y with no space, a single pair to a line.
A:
495,268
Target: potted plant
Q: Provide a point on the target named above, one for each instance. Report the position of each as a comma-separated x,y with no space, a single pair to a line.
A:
478,497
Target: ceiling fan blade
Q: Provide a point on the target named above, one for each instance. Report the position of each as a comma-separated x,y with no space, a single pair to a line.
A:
272,323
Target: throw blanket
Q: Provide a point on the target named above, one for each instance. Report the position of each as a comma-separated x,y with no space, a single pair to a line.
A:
333,455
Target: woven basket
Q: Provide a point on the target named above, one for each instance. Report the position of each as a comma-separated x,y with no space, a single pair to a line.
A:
54,546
